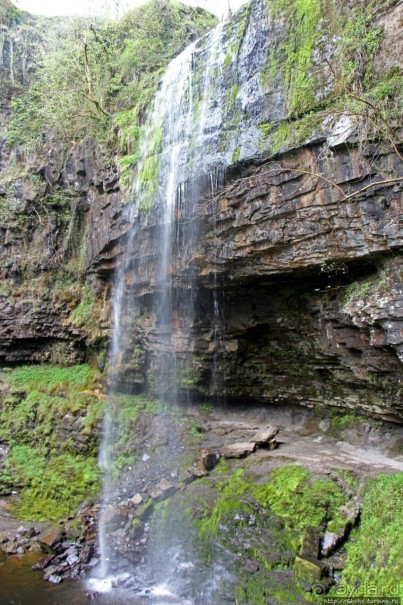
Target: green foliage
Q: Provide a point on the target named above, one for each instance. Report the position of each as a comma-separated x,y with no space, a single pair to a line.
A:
301,503
374,552
228,504
96,76
9,13
45,376
206,407
195,431
83,313
302,21
53,488
52,475
357,47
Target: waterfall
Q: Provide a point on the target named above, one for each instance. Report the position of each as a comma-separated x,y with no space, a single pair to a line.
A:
171,153
196,125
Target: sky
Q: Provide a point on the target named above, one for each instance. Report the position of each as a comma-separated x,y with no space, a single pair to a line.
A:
82,7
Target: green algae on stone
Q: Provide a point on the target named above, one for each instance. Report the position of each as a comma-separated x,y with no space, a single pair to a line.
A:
48,421
374,562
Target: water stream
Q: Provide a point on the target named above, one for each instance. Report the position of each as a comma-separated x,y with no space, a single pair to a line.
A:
171,158
197,125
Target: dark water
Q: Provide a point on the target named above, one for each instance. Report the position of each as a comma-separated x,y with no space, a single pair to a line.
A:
19,585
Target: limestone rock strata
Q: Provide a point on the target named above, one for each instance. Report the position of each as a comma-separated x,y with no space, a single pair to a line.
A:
298,290
296,286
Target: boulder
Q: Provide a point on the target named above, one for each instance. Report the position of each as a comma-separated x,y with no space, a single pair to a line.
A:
310,569
237,450
310,542
54,579
162,490
210,459
265,435
136,500
50,540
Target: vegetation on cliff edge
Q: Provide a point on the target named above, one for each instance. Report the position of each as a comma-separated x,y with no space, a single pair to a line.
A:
48,419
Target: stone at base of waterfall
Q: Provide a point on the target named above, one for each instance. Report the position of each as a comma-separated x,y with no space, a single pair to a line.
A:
11,548
330,543
136,500
237,450
43,562
210,459
310,569
49,571
266,437
196,471
50,540
162,490
114,515
86,553
310,542
54,579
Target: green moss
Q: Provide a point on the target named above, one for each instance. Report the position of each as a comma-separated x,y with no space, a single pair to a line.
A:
149,180
292,496
358,290
235,155
302,18
47,376
195,431
374,563
293,133
229,503
231,96
228,60
52,487
84,312
222,467
50,472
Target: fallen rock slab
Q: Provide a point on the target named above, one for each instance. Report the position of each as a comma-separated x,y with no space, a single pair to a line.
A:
237,450
162,490
136,500
49,541
265,435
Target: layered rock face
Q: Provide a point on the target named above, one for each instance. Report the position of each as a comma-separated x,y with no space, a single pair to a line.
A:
298,293
37,310
296,285
295,281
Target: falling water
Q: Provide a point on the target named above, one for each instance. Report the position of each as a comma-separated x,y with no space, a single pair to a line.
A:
183,140
171,152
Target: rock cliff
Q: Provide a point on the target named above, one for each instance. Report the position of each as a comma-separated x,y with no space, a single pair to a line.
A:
296,274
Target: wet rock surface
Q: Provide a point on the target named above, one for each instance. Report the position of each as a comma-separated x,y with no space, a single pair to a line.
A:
298,289
137,521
